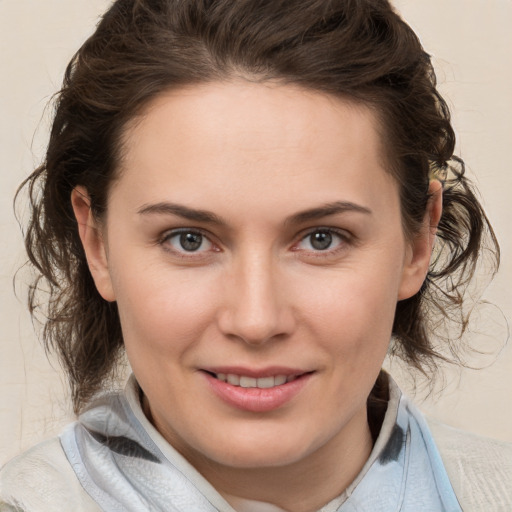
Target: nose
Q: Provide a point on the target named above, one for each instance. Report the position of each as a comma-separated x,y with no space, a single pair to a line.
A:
257,308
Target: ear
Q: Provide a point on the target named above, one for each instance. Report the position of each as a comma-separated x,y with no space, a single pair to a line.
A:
417,258
93,242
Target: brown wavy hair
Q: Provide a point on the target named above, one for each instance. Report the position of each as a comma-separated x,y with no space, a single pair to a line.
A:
360,50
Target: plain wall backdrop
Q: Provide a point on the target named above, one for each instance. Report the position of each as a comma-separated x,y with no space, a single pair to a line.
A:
470,41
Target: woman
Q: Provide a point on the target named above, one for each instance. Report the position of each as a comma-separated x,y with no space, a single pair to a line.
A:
245,196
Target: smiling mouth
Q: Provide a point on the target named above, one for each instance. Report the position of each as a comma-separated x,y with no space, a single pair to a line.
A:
245,381
257,390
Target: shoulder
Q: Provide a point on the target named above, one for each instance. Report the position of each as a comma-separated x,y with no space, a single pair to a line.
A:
480,469
42,480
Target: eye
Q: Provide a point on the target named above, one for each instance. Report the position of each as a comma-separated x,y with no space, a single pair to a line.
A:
188,241
321,240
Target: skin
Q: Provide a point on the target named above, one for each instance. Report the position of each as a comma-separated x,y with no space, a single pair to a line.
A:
258,292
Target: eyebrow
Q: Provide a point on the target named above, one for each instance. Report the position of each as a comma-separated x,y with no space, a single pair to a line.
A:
179,210
192,214
327,210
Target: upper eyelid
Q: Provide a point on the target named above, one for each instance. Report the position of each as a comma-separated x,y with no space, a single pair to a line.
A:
170,233
343,233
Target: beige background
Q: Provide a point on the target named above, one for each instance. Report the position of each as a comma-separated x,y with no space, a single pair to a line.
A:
470,40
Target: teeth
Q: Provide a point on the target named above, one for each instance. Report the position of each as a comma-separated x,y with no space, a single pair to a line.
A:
248,382
233,379
251,382
266,382
279,380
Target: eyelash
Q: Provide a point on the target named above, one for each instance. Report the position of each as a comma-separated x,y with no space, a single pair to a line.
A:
169,235
343,236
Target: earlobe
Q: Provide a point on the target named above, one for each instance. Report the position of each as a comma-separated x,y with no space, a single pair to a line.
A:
417,259
92,242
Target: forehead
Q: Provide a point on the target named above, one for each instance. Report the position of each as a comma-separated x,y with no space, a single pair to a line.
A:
255,112
253,140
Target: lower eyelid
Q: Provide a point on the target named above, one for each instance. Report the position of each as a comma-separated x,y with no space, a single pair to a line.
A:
169,235
343,239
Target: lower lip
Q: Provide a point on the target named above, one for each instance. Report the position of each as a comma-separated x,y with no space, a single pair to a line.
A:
256,399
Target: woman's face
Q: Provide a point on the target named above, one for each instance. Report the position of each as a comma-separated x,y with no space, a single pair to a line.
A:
255,237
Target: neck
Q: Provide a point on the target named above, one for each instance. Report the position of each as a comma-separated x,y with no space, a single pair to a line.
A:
303,486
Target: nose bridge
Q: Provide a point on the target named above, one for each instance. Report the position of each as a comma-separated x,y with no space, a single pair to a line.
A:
256,311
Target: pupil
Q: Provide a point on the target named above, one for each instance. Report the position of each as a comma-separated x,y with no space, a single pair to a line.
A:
191,241
321,240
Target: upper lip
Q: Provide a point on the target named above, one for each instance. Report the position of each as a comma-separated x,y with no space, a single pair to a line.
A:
256,373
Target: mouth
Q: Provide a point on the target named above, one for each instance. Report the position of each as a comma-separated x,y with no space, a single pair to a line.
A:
257,391
246,381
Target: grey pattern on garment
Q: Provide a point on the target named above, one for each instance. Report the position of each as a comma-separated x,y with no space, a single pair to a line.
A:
393,447
124,446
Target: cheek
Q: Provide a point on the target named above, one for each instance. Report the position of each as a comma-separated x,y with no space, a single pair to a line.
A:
355,296
352,311
162,311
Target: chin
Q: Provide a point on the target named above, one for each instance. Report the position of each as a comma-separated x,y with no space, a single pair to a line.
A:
258,459
252,451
